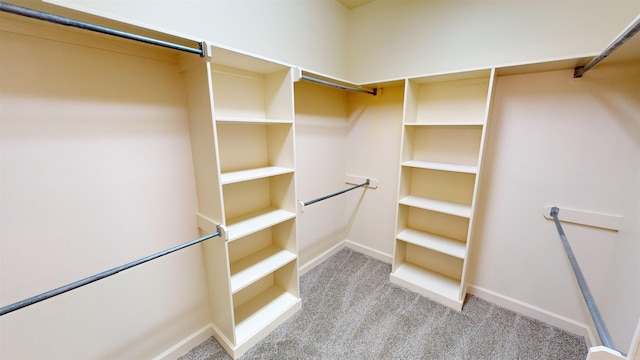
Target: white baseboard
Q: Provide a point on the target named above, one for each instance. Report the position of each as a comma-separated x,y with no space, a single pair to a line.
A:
535,312
377,254
302,269
186,344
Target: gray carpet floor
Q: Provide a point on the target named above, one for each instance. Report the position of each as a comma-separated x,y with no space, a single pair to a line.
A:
350,310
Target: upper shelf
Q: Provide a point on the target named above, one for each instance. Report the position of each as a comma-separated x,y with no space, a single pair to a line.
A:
455,101
251,94
252,174
244,61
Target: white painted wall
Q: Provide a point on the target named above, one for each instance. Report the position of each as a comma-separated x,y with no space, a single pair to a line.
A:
620,90
375,131
569,143
305,33
390,39
96,171
321,155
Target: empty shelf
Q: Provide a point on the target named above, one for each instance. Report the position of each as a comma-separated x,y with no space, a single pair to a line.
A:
255,221
470,169
434,242
252,120
429,280
446,207
252,174
257,265
262,311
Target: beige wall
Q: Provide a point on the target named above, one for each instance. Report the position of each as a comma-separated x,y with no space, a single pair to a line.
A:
375,131
321,145
305,33
573,144
390,39
96,172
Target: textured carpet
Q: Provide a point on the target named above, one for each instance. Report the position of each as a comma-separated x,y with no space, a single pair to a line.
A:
350,310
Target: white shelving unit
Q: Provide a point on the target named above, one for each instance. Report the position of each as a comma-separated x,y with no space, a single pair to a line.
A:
242,131
444,128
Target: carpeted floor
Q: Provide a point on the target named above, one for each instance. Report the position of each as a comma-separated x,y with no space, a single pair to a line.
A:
350,310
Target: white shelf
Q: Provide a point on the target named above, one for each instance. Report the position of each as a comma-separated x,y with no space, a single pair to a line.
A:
469,169
261,311
434,242
244,120
255,221
257,265
423,278
446,207
252,174
457,123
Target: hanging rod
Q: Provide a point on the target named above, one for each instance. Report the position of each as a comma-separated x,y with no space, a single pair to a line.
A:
74,285
335,194
601,328
339,86
56,19
628,34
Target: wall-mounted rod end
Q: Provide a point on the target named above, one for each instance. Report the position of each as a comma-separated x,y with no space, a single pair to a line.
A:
554,211
223,232
578,71
300,207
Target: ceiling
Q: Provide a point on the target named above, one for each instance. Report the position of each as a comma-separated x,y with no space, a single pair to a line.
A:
352,4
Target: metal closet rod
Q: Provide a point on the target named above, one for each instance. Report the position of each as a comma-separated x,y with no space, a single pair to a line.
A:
35,14
336,193
339,86
74,285
603,333
631,31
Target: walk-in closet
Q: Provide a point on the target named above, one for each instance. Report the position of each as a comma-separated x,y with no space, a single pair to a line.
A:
319,179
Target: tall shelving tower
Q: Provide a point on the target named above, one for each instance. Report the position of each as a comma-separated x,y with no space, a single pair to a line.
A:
444,128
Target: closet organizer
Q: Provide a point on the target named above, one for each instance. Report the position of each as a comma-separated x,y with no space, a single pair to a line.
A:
241,127
242,134
444,128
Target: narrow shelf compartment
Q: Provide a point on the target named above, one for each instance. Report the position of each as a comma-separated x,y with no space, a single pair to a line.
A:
253,145
459,99
257,265
424,278
265,93
434,242
263,310
469,169
446,207
451,144
244,225
252,174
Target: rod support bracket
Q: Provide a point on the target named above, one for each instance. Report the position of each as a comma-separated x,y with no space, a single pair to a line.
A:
224,233
577,72
300,206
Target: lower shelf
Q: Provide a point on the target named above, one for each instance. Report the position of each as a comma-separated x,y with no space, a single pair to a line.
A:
438,287
263,312
257,265
255,221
